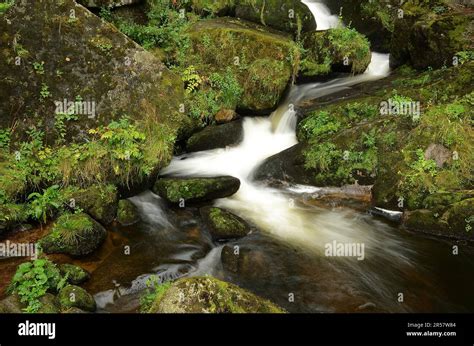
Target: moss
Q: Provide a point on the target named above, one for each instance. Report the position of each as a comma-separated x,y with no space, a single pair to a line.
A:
196,189
75,275
335,48
76,297
268,58
74,234
223,224
209,295
460,218
213,7
11,215
127,213
99,201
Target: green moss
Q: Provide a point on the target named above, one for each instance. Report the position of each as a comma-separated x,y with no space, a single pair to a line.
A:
76,297
75,275
127,213
223,224
12,214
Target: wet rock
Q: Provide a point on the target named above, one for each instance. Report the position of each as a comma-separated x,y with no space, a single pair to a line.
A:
230,259
11,305
127,213
99,201
195,190
438,153
74,234
213,137
76,297
226,116
424,220
286,15
209,295
76,275
224,225
460,218
49,304
286,166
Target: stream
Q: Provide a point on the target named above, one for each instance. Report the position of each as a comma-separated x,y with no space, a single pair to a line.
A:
283,258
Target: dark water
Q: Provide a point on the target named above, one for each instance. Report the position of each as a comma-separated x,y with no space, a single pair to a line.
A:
174,243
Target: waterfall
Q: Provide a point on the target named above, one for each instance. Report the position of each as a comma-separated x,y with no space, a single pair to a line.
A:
324,19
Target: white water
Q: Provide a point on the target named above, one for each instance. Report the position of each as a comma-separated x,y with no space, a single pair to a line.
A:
271,209
324,19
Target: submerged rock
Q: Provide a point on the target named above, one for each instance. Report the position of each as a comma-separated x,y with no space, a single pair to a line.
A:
127,213
216,136
74,234
76,297
195,190
224,225
286,15
209,295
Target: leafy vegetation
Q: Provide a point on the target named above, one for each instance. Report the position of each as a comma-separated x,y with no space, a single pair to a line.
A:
153,292
33,280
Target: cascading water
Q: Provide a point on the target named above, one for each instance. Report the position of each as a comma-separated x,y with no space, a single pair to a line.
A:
324,19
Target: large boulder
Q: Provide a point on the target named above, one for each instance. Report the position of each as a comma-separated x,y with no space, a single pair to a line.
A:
216,136
74,234
224,225
83,60
430,40
285,15
263,61
209,295
195,190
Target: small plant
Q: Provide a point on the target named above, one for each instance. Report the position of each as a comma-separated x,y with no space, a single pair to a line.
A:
44,92
191,79
154,291
33,280
5,138
69,229
44,205
39,67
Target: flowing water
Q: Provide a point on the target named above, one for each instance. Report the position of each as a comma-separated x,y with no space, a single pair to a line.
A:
284,256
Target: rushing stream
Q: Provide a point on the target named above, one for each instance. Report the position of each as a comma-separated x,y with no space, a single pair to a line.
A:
285,253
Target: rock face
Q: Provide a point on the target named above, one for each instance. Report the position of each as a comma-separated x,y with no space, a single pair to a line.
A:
195,190
74,234
247,49
216,136
82,59
76,297
286,15
127,213
209,295
431,40
223,224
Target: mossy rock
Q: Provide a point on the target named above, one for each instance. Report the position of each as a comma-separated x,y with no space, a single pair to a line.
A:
127,213
76,297
99,201
75,235
216,136
460,218
209,295
107,3
425,221
11,305
89,58
263,61
214,7
440,201
49,304
336,50
431,40
195,190
75,275
224,225
286,15
11,215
